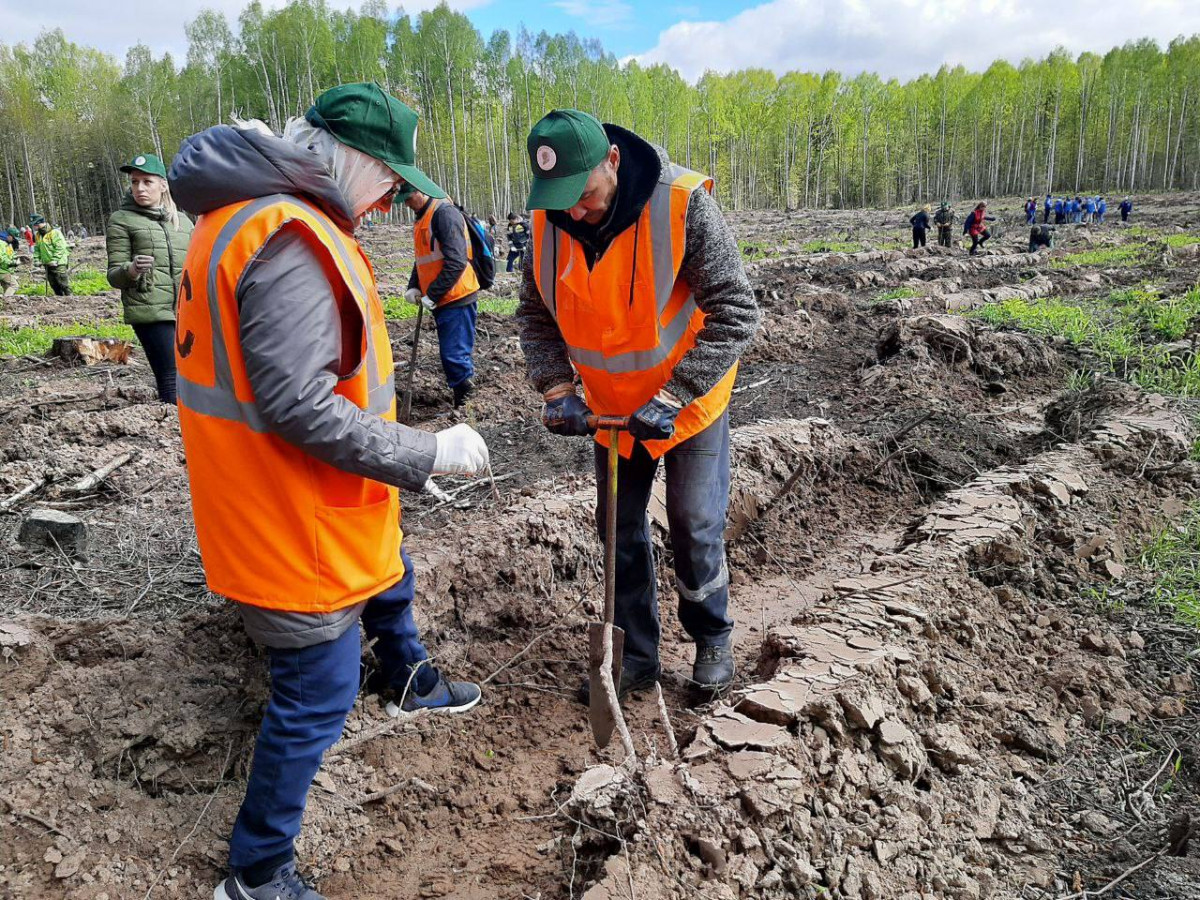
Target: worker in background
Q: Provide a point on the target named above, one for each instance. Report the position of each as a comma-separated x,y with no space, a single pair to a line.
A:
1101,210
944,219
1047,208
146,242
1041,237
920,226
444,279
518,240
8,268
1060,211
1030,211
51,249
636,283
288,415
976,227
1126,208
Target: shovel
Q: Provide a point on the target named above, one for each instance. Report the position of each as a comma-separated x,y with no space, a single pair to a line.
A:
406,409
605,641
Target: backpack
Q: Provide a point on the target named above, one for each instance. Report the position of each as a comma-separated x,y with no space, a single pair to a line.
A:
483,249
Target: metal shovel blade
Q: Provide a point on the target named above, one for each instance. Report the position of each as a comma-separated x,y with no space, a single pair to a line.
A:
600,712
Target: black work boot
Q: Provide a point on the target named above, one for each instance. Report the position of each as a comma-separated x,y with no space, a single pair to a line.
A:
632,681
463,392
713,669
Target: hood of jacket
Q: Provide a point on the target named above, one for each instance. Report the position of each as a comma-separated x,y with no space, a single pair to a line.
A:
225,165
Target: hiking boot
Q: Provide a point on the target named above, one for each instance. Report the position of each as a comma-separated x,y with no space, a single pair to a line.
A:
463,392
285,884
713,669
444,697
632,681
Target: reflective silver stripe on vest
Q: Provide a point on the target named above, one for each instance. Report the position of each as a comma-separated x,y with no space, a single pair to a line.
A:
662,253
220,400
429,257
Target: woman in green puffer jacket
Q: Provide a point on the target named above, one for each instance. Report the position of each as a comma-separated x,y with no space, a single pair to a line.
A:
147,242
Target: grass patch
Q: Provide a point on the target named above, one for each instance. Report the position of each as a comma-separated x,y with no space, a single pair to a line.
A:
84,283
1181,240
1124,255
400,309
900,293
1125,330
831,247
36,340
751,252
1173,556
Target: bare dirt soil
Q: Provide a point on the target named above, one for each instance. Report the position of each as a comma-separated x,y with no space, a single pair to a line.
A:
931,700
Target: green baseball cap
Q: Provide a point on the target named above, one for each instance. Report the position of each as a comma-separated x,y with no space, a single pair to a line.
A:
148,163
364,116
564,147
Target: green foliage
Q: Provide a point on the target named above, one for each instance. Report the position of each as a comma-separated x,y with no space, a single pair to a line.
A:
398,308
1124,330
1173,557
900,293
36,339
1181,240
84,283
1122,255
751,252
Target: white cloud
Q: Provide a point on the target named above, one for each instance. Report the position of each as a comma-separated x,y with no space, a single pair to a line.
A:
598,13
904,38
115,27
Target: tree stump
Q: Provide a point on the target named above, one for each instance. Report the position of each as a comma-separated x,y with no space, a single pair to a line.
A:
53,528
92,350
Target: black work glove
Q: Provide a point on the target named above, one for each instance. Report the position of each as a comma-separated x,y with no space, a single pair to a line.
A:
653,422
566,415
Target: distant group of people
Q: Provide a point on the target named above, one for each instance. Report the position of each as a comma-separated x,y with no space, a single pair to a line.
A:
46,244
1074,210
974,225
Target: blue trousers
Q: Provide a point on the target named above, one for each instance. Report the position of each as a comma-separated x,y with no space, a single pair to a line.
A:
312,692
456,341
697,500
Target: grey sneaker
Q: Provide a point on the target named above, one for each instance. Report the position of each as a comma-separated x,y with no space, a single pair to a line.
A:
285,884
445,696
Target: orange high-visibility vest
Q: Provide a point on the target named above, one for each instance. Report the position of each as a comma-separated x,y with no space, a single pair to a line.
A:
277,527
629,319
430,260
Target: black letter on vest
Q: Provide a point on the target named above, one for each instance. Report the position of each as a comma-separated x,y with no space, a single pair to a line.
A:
185,346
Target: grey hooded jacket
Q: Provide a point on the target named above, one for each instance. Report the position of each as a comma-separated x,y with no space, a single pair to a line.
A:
299,334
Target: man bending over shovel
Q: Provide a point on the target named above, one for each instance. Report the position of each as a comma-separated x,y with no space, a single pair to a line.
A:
636,283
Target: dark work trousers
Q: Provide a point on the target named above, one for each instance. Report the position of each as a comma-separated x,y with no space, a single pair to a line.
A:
456,341
158,342
515,258
59,280
978,240
312,692
1046,216
697,499
944,235
918,238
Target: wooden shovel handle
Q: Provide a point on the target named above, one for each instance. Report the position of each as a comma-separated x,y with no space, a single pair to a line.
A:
621,423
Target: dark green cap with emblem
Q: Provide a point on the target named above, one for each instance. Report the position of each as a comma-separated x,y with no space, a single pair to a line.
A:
148,163
564,147
364,116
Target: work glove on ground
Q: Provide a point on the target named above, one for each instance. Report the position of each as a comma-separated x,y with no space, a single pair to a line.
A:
565,413
656,420
460,451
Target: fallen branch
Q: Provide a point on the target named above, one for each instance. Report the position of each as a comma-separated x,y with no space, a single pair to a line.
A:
33,817
1133,870
27,491
90,481
666,720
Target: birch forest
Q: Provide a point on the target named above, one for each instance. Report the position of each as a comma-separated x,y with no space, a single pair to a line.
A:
1116,120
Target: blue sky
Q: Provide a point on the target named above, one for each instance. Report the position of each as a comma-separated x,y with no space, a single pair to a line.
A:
896,38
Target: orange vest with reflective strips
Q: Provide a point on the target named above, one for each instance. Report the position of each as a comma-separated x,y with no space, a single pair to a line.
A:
430,260
629,319
277,527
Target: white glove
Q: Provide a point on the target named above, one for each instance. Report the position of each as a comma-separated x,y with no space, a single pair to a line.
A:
460,451
427,303
413,296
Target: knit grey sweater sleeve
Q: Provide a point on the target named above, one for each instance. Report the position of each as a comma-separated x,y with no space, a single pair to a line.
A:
291,336
712,265
545,351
